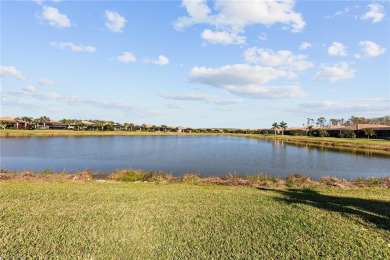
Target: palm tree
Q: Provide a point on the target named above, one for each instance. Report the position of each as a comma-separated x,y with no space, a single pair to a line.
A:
43,120
283,125
369,132
143,127
274,127
3,124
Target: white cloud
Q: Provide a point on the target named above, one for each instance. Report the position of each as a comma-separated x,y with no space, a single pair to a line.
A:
11,72
371,49
337,49
305,46
238,74
234,16
198,11
115,22
54,17
263,36
188,96
337,106
30,88
175,105
247,80
223,37
46,82
284,59
126,57
161,61
375,13
338,71
339,13
267,92
40,2
74,47
196,96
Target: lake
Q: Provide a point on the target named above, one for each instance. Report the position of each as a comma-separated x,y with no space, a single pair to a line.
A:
206,155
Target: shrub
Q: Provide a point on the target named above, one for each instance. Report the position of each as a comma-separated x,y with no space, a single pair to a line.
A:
129,175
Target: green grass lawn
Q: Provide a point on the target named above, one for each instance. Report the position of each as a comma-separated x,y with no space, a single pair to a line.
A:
113,220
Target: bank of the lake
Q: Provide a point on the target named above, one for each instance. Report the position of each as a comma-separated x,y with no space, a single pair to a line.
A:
360,144
163,220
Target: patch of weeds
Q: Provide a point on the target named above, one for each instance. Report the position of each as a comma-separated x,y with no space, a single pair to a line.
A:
190,178
297,179
128,175
371,182
133,175
333,181
47,171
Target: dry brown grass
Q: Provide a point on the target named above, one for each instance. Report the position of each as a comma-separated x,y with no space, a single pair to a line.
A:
136,175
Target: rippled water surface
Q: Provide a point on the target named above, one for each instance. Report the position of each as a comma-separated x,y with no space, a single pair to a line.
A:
207,155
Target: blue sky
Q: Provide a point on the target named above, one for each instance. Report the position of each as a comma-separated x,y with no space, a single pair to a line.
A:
195,63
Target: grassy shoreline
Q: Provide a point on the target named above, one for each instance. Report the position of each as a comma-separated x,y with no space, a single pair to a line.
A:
87,219
379,145
136,175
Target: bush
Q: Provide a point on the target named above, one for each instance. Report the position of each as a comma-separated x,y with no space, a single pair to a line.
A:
350,134
128,175
133,175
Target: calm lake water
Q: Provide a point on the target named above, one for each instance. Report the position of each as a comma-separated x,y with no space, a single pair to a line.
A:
206,155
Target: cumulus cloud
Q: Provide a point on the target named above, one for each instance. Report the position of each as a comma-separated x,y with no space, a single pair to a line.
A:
46,82
371,49
115,22
233,16
247,80
305,46
375,13
223,37
74,47
161,61
335,72
54,17
11,72
283,59
237,74
126,57
337,49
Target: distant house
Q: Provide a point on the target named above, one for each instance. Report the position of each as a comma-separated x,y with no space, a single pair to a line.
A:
381,131
56,125
15,123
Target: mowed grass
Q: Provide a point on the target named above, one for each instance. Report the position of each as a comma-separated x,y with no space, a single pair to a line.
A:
113,220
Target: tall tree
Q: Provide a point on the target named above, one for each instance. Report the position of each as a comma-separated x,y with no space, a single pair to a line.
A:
274,127
283,125
321,121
